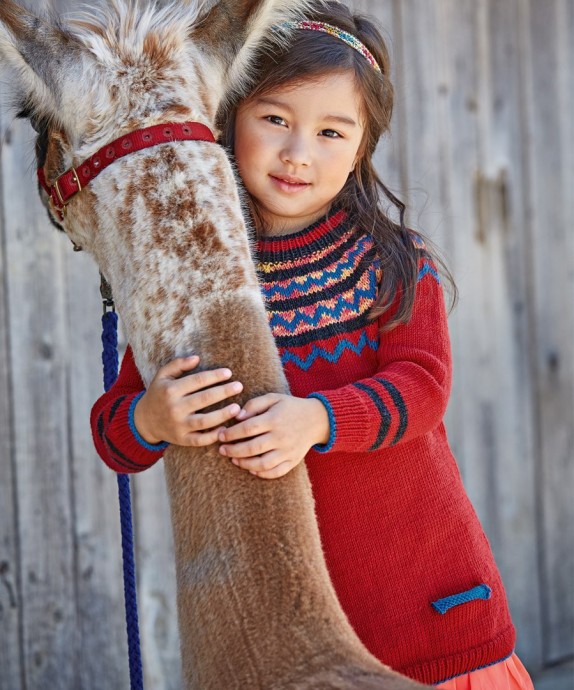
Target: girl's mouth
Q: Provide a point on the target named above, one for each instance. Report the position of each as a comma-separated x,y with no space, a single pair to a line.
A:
288,183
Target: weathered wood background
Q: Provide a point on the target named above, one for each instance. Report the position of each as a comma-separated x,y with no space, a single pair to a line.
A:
482,150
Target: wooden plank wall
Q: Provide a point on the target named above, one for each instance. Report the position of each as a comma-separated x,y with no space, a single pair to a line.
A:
482,151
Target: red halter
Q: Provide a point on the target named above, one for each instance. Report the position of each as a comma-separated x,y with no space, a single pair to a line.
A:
74,180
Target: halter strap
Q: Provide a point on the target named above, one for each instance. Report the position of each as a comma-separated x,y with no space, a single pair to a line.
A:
75,179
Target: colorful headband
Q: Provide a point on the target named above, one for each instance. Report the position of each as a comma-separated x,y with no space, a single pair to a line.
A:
344,36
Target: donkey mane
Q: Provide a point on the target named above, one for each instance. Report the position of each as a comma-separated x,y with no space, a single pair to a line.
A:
122,29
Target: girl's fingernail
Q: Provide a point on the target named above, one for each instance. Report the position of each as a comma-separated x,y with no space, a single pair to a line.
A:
235,461
222,450
242,414
226,372
236,386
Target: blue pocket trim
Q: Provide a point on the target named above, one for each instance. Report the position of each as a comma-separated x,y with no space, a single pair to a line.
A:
479,592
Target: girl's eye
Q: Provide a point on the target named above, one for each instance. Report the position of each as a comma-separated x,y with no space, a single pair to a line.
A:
330,134
275,120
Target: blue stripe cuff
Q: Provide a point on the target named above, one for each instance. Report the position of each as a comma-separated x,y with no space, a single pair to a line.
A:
148,446
325,447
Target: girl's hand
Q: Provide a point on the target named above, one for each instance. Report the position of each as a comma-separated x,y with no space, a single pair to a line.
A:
280,430
170,409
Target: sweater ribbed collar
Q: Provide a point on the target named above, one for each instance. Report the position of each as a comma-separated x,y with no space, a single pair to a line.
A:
322,233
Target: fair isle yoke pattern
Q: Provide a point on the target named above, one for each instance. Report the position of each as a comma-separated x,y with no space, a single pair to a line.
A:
319,285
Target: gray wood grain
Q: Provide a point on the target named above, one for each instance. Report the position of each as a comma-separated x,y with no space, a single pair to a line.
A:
550,223
98,563
501,464
388,154
38,350
10,599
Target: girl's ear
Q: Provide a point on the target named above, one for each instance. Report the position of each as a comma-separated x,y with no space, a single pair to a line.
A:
232,30
40,56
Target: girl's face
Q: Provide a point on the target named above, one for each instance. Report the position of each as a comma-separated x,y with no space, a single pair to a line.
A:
295,147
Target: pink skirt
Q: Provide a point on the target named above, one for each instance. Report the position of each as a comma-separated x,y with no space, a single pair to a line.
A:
509,674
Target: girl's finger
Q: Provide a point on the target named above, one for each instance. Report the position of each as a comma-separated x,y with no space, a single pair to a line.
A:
177,367
252,427
199,439
210,420
249,449
187,385
211,396
279,471
261,463
258,405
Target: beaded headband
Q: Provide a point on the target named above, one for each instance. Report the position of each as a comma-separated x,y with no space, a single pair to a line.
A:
344,36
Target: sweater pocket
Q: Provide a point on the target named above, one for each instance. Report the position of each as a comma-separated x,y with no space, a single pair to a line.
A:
480,592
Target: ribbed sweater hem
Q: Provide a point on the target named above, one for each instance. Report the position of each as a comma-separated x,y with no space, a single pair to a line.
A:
440,670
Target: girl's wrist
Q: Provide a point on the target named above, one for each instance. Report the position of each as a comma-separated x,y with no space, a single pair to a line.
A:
321,428
139,421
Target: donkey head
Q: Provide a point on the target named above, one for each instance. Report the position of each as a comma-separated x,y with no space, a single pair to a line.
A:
121,67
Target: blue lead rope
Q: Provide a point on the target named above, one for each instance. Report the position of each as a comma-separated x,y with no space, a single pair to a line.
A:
110,362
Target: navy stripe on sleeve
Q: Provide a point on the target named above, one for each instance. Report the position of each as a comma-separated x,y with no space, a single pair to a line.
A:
115,406
393,391
119,457
383,411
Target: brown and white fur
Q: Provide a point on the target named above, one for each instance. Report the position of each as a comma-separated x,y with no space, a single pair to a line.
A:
165,226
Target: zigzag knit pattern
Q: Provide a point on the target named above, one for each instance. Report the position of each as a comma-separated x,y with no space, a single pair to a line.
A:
319,285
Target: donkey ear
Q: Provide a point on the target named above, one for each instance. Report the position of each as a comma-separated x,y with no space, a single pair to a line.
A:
40,54
233,29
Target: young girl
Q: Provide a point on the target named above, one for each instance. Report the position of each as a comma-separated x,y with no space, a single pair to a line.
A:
357,310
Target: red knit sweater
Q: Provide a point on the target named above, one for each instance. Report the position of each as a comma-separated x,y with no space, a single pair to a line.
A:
408,558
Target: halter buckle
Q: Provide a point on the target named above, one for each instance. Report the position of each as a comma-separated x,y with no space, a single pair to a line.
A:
59,193
77,181
61,209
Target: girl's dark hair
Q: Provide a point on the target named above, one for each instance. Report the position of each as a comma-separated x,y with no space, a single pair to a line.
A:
311,54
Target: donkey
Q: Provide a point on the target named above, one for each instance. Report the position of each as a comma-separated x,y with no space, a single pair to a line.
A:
256,608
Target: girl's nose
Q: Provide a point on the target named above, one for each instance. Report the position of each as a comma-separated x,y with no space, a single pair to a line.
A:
296,151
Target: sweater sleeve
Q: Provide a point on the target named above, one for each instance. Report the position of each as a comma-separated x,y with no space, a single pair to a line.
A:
408,395
116,438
